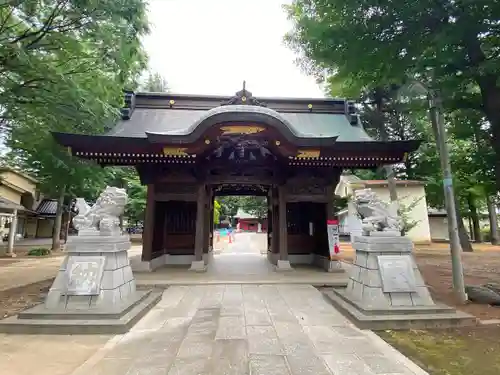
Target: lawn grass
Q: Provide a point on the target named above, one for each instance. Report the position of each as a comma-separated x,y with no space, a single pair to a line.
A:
471,351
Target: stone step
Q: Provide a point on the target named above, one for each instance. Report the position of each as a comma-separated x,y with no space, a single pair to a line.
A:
400,321
97,325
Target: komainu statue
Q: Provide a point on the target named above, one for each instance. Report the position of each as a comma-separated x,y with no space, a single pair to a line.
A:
376,215
103,218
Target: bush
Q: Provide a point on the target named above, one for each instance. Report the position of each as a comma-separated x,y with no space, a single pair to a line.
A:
485,234
39,252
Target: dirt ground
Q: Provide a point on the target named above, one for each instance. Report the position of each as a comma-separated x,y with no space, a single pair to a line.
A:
12,301
480,267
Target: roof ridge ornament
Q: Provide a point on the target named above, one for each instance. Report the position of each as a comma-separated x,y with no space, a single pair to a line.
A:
244,97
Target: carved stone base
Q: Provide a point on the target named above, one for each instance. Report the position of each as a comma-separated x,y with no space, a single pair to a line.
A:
385,281
94,290
100,274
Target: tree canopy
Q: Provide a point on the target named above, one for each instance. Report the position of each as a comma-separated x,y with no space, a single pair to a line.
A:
452,46
63,67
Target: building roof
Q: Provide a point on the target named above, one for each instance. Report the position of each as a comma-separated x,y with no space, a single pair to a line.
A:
185,121
47,207
326,132
8,205
241,214
20,173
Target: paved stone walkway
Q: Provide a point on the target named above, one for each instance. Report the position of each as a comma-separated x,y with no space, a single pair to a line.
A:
246,329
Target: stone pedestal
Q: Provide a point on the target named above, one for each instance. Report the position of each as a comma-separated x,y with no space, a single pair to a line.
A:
93,292
95,273
387,291
385,275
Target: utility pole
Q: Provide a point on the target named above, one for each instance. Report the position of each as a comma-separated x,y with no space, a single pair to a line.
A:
437,119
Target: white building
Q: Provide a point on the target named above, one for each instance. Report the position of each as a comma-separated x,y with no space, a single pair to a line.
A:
409,193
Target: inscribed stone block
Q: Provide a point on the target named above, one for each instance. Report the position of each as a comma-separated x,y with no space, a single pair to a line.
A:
397,273
84,275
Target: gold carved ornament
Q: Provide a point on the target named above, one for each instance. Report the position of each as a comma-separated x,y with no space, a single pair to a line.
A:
175,151
241,129
303,154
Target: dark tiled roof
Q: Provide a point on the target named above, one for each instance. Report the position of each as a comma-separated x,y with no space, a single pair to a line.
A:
47,207
183,121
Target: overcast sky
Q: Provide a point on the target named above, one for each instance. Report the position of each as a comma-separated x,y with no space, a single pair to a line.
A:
210,47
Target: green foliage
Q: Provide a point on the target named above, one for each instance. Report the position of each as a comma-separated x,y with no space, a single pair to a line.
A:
340,203
154,83
229,205
217,210
63,66
405,212
256,206
39,252
452,47
137,193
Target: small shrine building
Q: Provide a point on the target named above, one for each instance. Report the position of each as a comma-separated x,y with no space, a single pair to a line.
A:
188,149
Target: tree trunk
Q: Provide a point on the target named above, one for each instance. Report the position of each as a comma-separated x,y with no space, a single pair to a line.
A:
476,228
471,229
391,183
462,232
66,228
492,213
389,170
56,234
490,91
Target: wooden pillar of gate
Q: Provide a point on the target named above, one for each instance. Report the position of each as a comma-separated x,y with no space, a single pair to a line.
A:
149,224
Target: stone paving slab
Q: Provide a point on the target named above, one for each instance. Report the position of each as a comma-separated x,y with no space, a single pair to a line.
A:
247,329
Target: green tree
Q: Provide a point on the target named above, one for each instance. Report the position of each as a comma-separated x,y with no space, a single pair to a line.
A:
452,45
137,198
217,210
255,205
229,205
154,83
63,66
